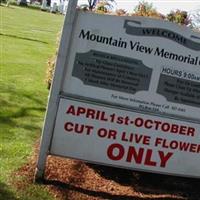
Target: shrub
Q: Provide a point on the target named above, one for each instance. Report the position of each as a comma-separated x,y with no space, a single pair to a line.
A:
51,65
2,1
146,9
179,17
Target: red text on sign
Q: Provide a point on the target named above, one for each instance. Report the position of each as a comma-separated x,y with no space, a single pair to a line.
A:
177,145
143,156
78,128
107,133
136,138
164,126
87,112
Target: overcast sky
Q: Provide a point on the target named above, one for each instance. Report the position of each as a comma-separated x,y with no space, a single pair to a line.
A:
162,6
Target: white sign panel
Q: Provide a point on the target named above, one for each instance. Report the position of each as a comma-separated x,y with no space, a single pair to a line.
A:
123,138
149,65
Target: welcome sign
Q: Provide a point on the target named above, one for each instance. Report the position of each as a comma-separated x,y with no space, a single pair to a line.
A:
130,95
149,65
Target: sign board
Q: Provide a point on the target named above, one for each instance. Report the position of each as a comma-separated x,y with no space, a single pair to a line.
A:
119,137
128,96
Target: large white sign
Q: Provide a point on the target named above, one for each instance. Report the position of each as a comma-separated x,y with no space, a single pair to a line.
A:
126,93
123,138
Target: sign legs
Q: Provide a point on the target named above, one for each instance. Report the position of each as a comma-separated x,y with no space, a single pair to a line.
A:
55,90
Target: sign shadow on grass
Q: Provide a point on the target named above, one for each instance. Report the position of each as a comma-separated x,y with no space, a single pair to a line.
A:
5,193
15,111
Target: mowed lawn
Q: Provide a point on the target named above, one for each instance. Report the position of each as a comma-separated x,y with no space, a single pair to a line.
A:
27,40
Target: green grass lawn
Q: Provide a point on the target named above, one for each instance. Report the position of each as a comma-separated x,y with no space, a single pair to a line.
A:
27,40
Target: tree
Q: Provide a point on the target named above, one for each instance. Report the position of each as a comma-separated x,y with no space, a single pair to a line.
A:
103,6
84,7
121,12
2,1
179,17
146,9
